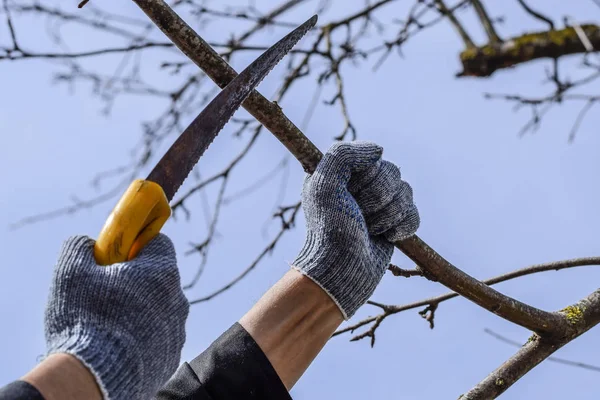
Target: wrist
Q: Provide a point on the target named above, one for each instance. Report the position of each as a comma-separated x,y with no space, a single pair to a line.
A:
291,323
111,357
63,377
344,275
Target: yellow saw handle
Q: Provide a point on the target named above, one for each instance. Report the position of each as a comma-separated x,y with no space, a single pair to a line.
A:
136,220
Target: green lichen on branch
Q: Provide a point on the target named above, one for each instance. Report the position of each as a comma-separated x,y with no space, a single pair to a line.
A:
532,338
485,60
574,314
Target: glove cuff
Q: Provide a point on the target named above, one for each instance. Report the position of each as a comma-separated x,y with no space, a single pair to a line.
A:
341,276
113,364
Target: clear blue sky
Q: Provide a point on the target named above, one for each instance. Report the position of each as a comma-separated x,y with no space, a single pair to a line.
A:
490,202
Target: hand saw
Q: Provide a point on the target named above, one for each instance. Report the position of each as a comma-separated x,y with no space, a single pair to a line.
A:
144,207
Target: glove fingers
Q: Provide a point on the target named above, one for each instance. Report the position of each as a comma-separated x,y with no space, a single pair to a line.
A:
327,186
406,228
387,202
400,214
346,158
79,250
375,188
159,250
75,252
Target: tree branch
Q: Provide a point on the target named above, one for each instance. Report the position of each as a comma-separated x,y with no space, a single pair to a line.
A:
286,224
265,20
11,28
484,61
534,269
407,273
582,317
21,54
478,292
360,14
557,360
486,21
443,9
536,14
111,50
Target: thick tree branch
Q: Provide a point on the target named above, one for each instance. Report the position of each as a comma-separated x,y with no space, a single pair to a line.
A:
478,292
581,317
271,116
484,61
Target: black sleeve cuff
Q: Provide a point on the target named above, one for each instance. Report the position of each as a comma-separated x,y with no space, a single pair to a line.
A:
233,367
20,390
184,385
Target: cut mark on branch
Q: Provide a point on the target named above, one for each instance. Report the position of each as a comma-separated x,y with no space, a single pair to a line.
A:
407,273
428,314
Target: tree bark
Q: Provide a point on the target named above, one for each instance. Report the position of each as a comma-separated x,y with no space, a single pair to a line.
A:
484,61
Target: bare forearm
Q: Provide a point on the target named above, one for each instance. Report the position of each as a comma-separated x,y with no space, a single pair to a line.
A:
63,377
291,323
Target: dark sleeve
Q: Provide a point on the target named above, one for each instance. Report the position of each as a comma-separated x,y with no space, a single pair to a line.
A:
20,390
233,367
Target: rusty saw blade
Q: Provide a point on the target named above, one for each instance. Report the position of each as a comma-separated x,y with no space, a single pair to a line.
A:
182,156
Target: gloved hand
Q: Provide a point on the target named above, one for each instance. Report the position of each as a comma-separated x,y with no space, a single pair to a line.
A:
355,206
125,322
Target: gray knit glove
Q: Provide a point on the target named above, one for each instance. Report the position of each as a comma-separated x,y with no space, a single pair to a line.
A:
355,206
125,322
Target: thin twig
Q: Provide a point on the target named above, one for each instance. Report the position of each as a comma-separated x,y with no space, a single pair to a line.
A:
11,28
456,24
407,273
478,292
486,21
287,223
534,269
536,14
582,113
